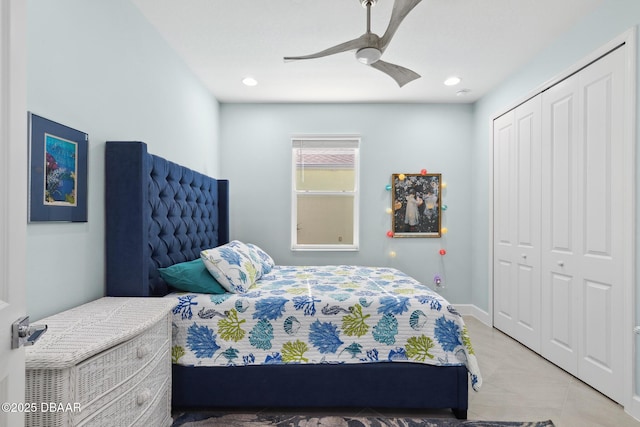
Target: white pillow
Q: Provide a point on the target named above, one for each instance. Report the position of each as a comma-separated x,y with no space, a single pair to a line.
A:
262,258
232,265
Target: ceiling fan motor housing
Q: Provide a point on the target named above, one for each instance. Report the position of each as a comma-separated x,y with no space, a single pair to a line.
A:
368,55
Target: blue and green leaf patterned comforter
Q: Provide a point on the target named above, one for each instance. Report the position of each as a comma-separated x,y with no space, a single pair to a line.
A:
322,314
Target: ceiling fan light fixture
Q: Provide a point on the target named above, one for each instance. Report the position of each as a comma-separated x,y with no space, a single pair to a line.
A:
368,55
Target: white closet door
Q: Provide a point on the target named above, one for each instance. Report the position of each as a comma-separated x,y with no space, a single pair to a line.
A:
583,234
527,252
600,182
517,223
504,304
560,296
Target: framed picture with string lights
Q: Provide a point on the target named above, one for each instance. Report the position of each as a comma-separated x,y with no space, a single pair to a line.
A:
416,204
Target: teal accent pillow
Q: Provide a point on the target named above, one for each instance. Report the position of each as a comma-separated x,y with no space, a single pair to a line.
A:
191,276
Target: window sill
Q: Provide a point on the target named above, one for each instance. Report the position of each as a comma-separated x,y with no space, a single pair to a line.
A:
325,248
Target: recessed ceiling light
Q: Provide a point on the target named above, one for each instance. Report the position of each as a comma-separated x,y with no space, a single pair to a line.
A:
249,81
452,81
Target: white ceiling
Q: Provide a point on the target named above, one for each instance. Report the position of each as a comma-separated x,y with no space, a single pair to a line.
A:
481,41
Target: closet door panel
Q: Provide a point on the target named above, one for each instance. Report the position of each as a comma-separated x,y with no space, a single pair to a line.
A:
598,342
601,181
528,312
504,236
528,205
503,305
561,134
560,303
597,173
561,310
517,223
559,340
527,216
503,197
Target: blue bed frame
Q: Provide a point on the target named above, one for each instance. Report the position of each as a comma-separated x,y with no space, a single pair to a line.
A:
159,213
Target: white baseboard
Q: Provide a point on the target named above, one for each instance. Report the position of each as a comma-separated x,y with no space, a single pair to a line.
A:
475,311
634,408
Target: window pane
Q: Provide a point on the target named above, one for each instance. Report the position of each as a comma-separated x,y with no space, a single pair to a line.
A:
325,193
325,169
325,219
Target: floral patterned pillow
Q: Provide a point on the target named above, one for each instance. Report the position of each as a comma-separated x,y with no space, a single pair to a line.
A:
233,266
263,258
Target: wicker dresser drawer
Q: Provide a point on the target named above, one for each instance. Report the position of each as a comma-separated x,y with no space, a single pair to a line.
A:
115,366
130,407
106,363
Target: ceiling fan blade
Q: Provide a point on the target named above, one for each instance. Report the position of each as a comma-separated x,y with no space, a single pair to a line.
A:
358,43
401,9
401,75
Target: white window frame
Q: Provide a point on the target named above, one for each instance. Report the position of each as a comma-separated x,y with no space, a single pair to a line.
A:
319,141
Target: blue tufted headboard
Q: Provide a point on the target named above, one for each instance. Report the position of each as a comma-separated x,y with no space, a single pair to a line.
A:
158,213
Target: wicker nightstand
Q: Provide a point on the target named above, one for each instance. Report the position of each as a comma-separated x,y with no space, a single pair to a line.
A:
105,363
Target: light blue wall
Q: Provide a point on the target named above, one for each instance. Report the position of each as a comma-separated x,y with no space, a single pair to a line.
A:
256,153
99,66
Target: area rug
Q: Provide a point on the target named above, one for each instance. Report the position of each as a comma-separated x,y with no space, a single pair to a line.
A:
289,420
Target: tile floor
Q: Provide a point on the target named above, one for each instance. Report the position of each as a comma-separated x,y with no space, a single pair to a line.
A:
520,385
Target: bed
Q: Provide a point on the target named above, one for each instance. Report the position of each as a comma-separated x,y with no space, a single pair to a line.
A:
160,215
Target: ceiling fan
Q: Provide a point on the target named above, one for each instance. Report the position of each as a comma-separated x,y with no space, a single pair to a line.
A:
369,47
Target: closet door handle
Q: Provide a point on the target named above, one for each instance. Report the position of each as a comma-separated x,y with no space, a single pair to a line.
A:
524,256
561,263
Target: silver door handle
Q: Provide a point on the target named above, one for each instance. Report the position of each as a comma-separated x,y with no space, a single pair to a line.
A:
22,333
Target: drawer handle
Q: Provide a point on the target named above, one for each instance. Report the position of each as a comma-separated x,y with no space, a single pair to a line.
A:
142,351
143,397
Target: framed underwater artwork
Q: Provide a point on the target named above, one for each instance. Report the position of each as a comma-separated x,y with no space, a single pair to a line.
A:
415,204
57,171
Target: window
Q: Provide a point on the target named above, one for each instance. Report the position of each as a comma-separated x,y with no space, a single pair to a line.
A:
325,194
